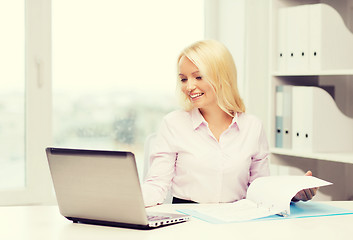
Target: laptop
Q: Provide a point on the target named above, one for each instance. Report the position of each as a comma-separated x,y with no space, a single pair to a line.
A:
102,187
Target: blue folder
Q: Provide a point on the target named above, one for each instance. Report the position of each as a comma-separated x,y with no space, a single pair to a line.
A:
297,210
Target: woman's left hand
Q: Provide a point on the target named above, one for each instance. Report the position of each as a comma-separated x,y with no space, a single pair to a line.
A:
305,194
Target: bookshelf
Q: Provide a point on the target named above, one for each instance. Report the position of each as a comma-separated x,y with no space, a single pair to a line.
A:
303,62
346,72
341,157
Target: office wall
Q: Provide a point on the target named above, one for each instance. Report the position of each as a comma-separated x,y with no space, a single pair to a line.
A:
257,56
225,21
242,26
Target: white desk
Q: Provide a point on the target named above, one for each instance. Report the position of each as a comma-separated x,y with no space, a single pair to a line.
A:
45,222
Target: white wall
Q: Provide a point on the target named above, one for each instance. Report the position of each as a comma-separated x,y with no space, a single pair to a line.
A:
257,59
225,21
242,26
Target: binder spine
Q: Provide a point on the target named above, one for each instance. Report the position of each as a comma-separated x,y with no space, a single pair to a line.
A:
279,117
312,37
282,53
318,124
287,117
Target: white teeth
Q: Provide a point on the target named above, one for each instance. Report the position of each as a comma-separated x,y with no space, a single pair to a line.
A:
196,95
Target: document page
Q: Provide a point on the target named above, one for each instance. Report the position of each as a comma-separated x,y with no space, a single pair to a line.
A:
276,192
266,196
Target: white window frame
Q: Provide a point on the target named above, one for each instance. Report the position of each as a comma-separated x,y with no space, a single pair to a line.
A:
38,187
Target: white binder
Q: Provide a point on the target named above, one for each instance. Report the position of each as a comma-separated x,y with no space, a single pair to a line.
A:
287,116
297,38
315,53
279,117
330,41
290,37
282,53
301,100
315,38
318,125
302,37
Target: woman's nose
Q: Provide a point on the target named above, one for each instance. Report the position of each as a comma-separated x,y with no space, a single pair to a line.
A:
190,85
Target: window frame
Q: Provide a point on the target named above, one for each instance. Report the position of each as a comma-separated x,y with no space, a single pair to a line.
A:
38,185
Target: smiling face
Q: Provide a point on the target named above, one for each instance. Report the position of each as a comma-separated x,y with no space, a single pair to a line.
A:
197,89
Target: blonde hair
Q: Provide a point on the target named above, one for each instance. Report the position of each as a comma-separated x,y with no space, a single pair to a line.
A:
217,66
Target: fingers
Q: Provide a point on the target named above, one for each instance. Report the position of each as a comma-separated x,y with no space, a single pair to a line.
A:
305,195
300,196
313,191
295,199
308,194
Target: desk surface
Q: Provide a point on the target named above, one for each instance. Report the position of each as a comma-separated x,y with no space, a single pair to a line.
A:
45,222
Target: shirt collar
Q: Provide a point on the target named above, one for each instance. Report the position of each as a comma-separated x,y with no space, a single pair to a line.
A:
235,121
197,119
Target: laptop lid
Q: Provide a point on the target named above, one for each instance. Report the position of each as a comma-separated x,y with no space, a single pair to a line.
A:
97,185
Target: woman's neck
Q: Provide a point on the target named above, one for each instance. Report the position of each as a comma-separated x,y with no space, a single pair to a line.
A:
217,119
216,116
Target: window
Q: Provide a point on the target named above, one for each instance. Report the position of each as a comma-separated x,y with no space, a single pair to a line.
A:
12,95
111,65
114,68
25,101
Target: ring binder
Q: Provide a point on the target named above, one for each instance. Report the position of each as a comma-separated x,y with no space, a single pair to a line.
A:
267,196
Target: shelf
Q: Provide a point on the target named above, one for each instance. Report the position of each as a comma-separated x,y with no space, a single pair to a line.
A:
318,73
320,31
346,157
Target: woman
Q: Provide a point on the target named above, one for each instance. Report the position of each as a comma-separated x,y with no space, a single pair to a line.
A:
212,150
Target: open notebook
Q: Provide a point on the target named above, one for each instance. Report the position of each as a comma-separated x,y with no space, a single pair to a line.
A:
267,198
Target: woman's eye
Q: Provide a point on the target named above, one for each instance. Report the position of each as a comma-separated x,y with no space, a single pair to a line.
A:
199,78
183,79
